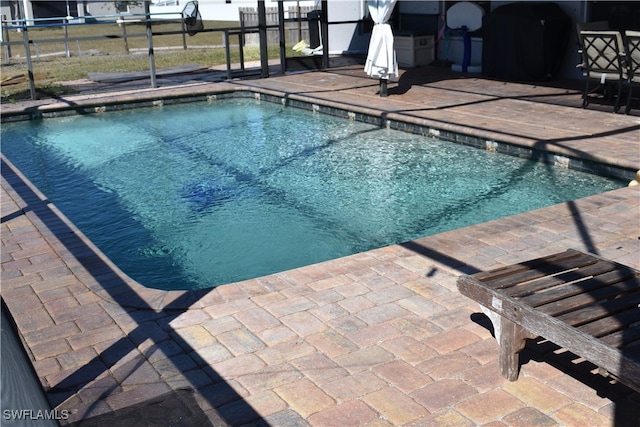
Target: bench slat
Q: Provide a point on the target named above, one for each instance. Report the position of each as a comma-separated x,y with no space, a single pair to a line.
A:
608,325
633,349
485,276
570,289
575,302
603,309
544,269
623,338
522,290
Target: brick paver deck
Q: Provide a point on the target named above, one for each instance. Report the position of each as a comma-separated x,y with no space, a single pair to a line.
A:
379,338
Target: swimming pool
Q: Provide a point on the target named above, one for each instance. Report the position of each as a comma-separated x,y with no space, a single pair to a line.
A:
197,195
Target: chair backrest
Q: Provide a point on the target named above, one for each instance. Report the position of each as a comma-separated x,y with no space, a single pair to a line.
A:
632,39
588,26
603,53
592,26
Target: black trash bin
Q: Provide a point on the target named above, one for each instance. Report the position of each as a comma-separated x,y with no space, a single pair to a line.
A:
314,29
525,41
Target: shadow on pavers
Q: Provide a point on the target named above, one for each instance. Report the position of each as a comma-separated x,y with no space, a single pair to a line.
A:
177,408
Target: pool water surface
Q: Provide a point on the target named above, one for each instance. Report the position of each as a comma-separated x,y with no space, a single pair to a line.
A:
198,195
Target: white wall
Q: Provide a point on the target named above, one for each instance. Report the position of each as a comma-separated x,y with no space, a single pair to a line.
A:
346,38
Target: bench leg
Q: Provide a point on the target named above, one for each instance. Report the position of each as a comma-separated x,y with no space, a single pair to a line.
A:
512,340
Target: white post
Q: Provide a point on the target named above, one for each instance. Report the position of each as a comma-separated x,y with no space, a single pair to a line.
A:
27,11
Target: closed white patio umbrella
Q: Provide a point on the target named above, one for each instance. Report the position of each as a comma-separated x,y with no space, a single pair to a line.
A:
381,58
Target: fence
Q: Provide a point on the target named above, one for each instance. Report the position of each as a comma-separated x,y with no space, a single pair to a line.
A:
297,27
137,36
122,33
123,43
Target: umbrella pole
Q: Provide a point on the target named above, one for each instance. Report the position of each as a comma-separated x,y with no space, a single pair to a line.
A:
383,87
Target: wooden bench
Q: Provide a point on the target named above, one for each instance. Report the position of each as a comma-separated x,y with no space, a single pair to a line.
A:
583,303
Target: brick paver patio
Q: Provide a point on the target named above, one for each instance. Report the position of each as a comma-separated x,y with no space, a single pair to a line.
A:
380,338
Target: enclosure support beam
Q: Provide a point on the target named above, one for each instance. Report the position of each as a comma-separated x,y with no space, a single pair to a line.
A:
27,50
324,34
227,50
5,38
152,61
281,32
262,33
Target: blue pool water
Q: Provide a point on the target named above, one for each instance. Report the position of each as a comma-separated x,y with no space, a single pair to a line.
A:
199,195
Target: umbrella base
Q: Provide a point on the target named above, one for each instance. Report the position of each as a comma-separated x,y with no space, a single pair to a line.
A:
383,87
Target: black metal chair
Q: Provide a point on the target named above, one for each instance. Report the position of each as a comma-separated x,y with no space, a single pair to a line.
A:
604,60
632,41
